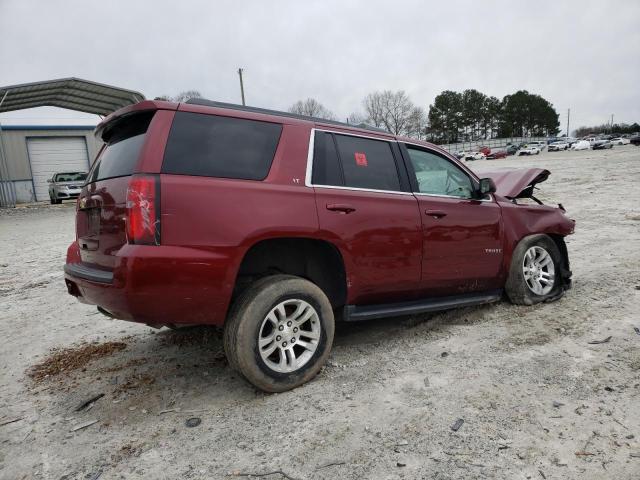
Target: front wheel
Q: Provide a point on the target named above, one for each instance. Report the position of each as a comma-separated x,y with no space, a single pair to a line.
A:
535,272
279,332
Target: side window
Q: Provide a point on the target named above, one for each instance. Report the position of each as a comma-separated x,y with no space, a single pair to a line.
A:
326,166
367,163
215,146
438,176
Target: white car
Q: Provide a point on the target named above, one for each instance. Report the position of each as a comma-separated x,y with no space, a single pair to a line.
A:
581,145
540,145
557,146
530,149
620,141
471,156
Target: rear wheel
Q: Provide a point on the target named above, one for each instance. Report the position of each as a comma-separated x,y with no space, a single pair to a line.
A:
534,275
279,332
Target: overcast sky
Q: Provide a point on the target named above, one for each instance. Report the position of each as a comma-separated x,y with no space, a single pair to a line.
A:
582,55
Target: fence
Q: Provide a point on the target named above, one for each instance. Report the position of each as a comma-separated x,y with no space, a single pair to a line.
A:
492,143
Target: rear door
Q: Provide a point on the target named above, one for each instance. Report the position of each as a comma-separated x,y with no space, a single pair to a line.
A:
364,206
461,235
101,218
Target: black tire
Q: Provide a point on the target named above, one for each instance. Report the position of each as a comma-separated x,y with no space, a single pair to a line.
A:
517,288
243,328
53,202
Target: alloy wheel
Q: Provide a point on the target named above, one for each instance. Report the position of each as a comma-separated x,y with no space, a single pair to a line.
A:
289,335
539,270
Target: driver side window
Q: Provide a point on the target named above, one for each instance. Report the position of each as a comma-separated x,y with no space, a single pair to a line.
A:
438,176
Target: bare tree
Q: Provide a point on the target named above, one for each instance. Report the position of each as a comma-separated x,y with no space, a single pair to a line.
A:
417,124
389,110
181,97
356,119
311,108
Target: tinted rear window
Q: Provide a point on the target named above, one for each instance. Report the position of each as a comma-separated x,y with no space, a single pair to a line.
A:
367,163
123,143
326,166
214,146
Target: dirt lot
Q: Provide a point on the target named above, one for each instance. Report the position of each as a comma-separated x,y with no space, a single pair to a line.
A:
537,399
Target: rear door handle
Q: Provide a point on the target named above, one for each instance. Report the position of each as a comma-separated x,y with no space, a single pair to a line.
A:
340,207
436,213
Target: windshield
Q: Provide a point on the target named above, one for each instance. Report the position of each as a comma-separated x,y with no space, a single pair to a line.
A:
70,177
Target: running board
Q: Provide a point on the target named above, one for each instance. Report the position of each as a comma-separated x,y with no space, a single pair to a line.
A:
356,313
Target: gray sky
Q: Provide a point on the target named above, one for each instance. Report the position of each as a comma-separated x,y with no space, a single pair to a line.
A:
578,54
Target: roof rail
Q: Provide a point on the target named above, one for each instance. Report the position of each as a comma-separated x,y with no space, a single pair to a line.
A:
233,106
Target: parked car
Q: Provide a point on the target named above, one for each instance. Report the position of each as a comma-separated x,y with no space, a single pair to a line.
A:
541,145
485,150
620,141
557,146
581,145
602,144
511,149
635,140
528,150
496,154
66,186
269,224
472,156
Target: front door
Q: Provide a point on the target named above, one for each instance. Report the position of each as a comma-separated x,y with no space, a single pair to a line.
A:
462,235
365,207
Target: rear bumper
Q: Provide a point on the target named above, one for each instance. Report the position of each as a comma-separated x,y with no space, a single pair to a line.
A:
157,285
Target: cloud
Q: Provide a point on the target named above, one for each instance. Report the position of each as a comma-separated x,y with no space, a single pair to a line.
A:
579,55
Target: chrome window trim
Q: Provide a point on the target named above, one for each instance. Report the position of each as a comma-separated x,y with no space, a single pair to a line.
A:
356,189
308,173
307,178
490,199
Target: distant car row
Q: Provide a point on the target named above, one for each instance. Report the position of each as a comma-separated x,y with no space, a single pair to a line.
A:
534,148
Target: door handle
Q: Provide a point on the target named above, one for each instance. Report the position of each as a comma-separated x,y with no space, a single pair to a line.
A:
436,213
340,207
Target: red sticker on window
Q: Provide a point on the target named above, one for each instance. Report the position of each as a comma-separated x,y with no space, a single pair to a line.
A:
361,159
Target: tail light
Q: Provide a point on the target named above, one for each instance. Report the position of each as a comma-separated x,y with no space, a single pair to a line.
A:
143,210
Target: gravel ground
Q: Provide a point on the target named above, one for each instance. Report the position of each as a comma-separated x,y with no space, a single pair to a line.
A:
537,399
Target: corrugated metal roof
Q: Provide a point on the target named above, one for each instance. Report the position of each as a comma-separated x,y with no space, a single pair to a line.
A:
72,93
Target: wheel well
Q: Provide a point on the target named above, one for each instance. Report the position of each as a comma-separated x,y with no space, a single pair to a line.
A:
562,246
316,260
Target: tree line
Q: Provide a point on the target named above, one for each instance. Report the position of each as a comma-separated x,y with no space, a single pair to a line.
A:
616,128
453,116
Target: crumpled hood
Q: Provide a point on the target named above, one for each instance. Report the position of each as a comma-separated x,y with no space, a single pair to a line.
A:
516,182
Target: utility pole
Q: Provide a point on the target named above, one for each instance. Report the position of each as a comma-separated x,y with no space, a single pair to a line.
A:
240,70
612,123
568,115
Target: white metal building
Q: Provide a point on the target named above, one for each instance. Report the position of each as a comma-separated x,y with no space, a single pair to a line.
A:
30,155
35,153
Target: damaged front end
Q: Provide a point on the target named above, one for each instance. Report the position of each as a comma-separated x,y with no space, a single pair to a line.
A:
524,214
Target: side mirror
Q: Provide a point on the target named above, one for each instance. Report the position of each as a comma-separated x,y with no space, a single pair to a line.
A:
487,186
49,180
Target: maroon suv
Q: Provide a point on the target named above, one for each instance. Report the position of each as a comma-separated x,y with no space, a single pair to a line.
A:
273,224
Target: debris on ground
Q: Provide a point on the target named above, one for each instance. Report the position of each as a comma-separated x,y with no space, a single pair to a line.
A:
193,422
83,425
88,402
7,422
457,424
557,404
65,360
598,342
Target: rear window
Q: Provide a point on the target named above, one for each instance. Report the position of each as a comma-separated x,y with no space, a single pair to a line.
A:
215,146
367,163
123,143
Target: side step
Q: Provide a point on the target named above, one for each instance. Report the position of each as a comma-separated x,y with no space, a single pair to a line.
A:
356,313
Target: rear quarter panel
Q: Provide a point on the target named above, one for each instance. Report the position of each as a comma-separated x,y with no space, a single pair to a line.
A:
222,218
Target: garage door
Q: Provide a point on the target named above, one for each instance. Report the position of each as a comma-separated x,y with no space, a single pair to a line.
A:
49,155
